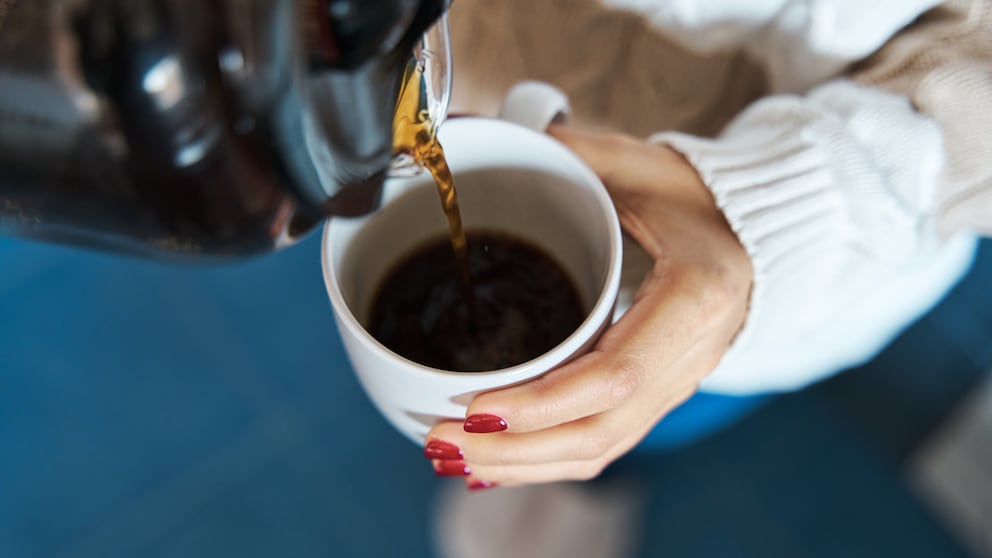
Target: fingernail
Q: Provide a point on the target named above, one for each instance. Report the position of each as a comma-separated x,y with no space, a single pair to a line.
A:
481,485
484,424
436,449
449,468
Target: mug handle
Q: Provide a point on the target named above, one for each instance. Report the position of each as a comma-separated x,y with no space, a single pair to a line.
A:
535,105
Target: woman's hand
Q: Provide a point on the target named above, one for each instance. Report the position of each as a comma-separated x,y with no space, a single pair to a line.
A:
574,421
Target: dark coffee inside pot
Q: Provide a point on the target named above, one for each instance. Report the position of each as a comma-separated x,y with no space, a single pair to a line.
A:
519,305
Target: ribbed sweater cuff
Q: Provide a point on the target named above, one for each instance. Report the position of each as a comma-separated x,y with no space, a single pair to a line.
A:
776,193
828,195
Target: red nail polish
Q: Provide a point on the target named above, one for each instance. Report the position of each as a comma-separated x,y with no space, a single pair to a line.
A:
481,485
436,449
449,468
484,424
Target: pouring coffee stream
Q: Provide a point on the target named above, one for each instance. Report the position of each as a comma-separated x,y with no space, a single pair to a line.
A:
415,135
507,302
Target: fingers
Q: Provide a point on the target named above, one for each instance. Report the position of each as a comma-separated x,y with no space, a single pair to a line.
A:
611,156
560,428
602,437
673,310
583,440
576,451
590,385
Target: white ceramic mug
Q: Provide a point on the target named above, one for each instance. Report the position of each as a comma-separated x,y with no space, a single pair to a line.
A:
509,178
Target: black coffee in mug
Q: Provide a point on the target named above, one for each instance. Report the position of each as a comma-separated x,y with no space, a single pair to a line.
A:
518,304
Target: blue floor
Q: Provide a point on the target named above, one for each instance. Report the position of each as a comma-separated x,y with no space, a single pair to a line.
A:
157,411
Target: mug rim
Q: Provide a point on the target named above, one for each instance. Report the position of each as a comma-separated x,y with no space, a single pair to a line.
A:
597,317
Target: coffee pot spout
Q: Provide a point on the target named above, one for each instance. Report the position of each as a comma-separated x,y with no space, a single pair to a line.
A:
350,102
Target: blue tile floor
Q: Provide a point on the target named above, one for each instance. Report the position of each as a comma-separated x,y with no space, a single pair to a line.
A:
157,411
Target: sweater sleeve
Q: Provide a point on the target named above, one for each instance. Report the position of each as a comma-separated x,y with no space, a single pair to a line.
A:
799,42
856,201
830,195
942,65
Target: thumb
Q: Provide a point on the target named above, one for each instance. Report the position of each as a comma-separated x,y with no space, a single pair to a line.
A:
648,177
621,161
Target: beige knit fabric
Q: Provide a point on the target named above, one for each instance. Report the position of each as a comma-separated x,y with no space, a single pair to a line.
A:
621,74
618,72
943,63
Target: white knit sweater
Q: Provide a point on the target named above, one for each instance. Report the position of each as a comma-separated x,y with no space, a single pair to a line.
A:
831,191
829,184
829,194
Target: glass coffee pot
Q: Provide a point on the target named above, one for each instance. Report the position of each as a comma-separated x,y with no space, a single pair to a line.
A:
203,127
